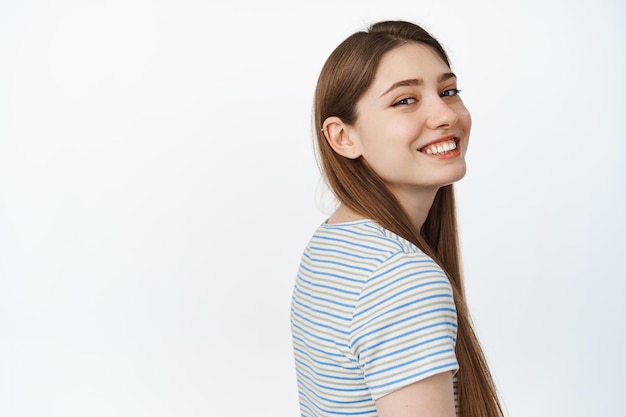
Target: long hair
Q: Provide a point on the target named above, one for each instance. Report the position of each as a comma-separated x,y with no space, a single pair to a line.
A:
346,75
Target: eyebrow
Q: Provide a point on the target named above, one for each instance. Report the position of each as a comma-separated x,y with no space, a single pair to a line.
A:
417,81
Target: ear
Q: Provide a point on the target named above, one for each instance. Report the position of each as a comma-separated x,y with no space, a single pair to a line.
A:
341,137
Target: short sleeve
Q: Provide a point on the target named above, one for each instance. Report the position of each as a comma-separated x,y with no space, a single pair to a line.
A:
404,324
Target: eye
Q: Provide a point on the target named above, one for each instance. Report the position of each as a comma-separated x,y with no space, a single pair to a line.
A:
405,102
450,92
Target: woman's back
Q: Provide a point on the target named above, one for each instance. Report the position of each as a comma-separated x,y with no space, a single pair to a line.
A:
371,313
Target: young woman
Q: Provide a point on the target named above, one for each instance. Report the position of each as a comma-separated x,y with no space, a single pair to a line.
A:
379,320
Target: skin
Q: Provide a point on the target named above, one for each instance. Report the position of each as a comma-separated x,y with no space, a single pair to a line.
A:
430,397
395,121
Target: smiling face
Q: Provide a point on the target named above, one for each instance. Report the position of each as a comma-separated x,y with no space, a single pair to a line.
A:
412,127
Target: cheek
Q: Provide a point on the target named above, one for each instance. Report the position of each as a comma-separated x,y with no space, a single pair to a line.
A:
402,130
465,119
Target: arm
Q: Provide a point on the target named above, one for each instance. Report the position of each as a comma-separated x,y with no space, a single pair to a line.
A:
430,397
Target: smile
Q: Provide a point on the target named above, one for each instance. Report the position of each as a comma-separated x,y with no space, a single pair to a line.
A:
440,148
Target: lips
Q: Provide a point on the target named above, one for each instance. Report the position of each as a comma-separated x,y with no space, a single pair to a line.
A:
441,146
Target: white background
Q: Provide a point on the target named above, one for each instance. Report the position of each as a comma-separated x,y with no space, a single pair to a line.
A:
157,186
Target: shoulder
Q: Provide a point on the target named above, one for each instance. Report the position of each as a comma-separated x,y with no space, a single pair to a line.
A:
365,236
367,256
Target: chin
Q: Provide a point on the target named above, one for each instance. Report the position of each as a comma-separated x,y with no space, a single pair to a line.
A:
453,176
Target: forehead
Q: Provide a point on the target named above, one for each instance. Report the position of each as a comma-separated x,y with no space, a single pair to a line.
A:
410,61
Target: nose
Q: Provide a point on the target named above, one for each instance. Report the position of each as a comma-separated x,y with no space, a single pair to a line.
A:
440,114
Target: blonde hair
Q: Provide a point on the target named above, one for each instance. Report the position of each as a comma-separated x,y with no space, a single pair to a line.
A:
345,77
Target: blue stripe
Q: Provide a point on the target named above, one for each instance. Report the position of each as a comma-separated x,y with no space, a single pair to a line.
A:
325,313
378,235
313,336
416,345
344,265
430,326
352,255
418,301
315,348
304,405
328,364
446,366
341,378
350,243
318,324
315,297
411,263
419,359
423,313
318,396
326,387
334,412
328,274
403,277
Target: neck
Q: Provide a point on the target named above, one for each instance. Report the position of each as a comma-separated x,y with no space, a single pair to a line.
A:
344,214
416,203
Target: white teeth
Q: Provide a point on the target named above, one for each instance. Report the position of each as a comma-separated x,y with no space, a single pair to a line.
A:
439,148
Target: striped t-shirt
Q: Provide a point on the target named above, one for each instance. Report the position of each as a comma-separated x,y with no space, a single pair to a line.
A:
371,313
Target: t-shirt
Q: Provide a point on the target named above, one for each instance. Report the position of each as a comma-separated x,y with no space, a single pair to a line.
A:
371,313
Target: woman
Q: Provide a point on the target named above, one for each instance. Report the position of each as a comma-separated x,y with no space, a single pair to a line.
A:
380,325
